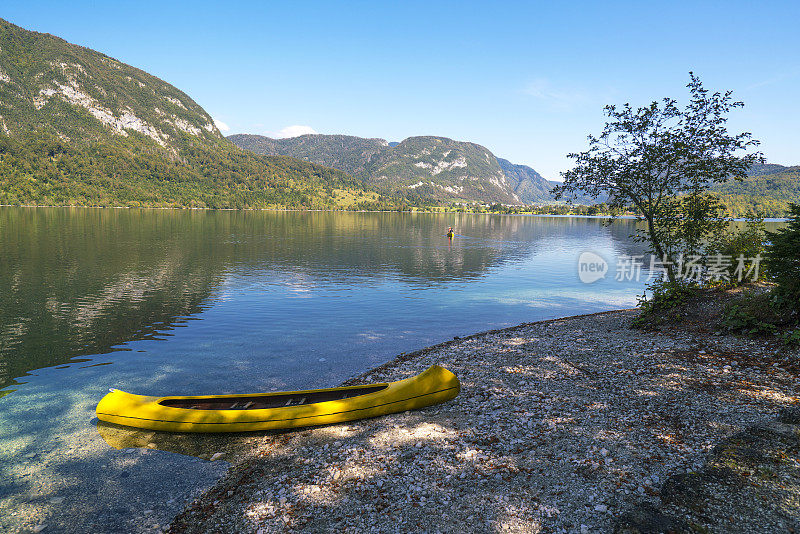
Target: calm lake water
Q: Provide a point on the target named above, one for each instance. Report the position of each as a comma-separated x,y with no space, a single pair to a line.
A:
190,302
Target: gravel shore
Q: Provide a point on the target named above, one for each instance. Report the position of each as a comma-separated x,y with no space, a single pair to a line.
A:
569,425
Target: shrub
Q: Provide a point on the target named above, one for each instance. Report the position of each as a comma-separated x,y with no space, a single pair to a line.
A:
791,338
752,315
744,247
666,295
782,262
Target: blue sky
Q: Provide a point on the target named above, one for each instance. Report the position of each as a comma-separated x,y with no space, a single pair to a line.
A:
528,80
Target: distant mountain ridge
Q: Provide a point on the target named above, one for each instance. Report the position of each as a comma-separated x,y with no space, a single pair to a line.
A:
767,191
348,153
527,183
78,127
422,167
763,169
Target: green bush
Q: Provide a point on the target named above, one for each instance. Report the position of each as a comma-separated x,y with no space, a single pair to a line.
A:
745,248
665,296
752,315
782,262
791,338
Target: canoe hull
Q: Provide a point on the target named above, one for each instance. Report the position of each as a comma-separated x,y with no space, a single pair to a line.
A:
434,386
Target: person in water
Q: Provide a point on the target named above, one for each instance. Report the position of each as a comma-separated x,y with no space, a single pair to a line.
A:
450,233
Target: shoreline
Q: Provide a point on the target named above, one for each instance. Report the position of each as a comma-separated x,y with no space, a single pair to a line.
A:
625,217
443,212
405,356
563,425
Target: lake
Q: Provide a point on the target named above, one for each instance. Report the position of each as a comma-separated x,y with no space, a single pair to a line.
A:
197,302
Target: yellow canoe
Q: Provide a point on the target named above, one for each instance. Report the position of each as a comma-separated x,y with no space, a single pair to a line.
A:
273,411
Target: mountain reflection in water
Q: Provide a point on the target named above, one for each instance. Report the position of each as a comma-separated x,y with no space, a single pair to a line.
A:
81,282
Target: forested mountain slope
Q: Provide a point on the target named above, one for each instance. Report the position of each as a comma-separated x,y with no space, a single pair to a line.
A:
80,128
767,194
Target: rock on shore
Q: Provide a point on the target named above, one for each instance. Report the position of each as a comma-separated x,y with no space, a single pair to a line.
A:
569,425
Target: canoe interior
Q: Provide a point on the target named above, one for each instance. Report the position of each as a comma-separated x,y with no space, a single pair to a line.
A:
261,402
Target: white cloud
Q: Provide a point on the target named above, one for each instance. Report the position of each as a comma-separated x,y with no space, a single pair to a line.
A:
221,125
775,79
542,89
292,131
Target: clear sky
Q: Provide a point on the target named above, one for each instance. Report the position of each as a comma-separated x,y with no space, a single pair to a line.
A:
528,80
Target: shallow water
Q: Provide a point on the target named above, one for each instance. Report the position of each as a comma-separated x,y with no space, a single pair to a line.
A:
191,302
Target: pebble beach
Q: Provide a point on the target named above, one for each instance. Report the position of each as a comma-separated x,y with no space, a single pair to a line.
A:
568,425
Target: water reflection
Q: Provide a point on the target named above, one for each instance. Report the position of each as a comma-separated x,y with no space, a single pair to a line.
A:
228,446
82,282
79,282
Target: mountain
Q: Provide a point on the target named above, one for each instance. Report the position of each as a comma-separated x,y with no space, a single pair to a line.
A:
763,169
768,193
350,154
78,127
528,184
424,167
443,169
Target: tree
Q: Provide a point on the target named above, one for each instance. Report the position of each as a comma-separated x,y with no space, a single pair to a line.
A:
661,160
